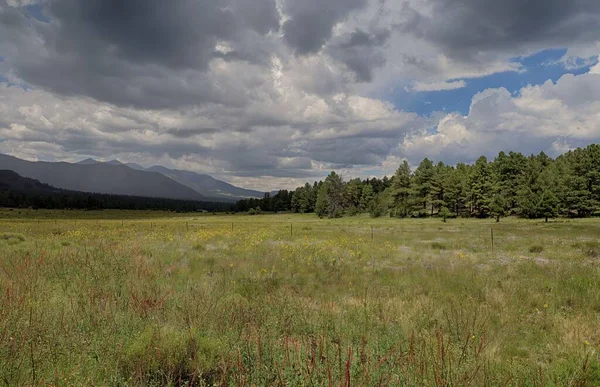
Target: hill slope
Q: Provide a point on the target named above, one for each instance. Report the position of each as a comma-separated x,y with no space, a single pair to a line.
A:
208,185
101,178
23,192
12,181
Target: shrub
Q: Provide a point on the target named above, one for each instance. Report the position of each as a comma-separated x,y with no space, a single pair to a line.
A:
352,211
536,249
445,213
254,211
376,208
170,356
438,246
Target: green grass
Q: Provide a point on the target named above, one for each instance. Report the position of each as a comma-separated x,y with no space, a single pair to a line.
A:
151,298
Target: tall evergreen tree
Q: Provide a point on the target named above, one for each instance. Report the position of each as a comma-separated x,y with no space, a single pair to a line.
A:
401,192
330,198
422,182
482,186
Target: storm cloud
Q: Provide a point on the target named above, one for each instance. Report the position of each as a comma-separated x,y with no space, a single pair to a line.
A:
464,28
271,92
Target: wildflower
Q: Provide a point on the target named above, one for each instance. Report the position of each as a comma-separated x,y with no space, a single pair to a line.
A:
586,342
545,306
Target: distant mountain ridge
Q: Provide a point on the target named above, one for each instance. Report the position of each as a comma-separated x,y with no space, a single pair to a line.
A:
12,181
115,177
207,185
101,178
204,184
17,191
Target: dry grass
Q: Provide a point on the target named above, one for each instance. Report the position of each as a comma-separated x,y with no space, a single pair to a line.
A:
144,299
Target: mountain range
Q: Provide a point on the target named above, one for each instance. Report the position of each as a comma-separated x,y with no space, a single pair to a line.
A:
12,181
116,178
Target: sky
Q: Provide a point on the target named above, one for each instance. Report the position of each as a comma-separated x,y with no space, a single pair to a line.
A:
269,94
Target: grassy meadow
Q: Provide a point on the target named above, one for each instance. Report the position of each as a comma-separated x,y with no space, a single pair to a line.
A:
149,298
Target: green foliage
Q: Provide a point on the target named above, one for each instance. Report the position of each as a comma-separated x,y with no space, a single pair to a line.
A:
167,355
445,213
378,206
149,302
304,199
401,192
255,211
367,196
533,187
482,188
330,197
498,206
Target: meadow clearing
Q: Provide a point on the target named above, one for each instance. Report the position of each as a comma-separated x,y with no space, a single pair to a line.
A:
149,298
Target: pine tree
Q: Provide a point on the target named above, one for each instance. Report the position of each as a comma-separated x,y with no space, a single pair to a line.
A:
422,183
400,191
445,213
367,196
482,185
330,199
548,205
352,194
439,184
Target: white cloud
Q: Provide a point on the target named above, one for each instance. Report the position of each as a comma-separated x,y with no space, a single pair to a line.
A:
439,86
552,117
253,105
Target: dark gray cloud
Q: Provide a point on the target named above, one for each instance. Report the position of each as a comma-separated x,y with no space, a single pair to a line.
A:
177,33
311,21
215,84
142,53
346,152
361,52
465,28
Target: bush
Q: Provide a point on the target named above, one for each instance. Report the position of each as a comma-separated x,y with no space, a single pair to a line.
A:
169,356
536,249
254,211
445,213
376,208
438,246
352,211
420,214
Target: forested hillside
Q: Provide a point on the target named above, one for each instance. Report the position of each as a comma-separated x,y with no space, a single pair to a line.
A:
21,192
512,184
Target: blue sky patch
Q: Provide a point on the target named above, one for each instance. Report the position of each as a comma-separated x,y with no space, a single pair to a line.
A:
36,11
538,68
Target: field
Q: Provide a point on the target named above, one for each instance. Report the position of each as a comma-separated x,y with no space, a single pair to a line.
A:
125,298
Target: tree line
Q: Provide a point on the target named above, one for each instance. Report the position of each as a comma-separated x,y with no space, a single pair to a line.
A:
512,184
89,201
